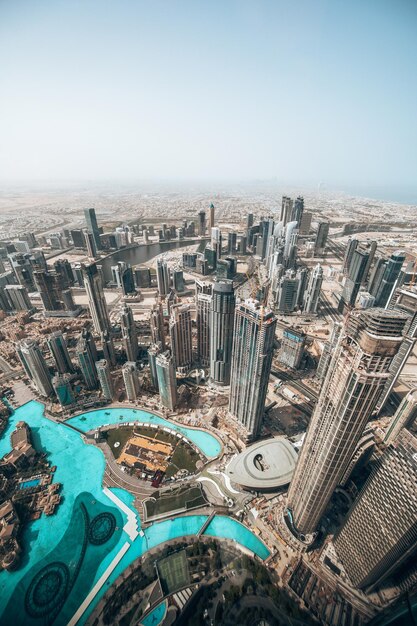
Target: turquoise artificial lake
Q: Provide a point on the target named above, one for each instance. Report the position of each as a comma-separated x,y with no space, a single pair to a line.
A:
68,546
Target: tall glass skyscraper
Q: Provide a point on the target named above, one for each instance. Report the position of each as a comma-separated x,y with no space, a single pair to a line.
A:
96,299
35,366
253,345
92,226
222,312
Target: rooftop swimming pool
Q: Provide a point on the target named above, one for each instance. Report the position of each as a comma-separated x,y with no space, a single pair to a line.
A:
208,444
83,545
25,484
156,616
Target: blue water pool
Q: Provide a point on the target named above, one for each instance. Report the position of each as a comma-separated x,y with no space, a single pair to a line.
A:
25,484
208,444
156,616
80,470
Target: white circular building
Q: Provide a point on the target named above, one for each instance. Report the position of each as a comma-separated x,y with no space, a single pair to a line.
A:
264,466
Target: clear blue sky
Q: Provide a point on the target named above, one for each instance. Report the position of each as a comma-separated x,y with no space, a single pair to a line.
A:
302,91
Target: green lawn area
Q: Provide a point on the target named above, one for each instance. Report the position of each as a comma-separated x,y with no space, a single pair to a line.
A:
173,571
183,497
184,456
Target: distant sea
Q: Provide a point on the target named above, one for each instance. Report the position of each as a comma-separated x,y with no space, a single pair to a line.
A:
401,195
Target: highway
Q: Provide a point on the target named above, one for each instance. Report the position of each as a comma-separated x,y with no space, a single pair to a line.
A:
297,384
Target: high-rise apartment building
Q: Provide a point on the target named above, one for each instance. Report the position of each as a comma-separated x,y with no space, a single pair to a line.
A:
58,347
105,379
87,356
203,302
157,324
62,388
131,380
162,277
382,290
286,210
380,531
35,365
129,333
312,294
404,300
153,351
231,242
92,226
211,216
286,298
328,349
96,300
181,337
404,416
350,249
253,345
202,223
221,322
107,344
355,278
357,372
321,238
18,297
167,382
305,224
297,210
292,348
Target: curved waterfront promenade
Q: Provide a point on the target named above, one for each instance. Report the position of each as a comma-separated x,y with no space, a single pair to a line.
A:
52,540
208,443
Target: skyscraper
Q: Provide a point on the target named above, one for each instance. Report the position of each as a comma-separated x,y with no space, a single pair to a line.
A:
404,416
157,324
221,322
312,295
92,226
355,278
380,531
231,242
286,210
62,388
90,244
153,351
35,365
96,299
131,379
129,333
383,290
181,337
203,301
167,382
321,237
58,347
328,349
356,375
253,345
49,290
105,379
211,218
350,249
292,348
297,210
202,223
87,356
286,298
162,277
18,297
404,300
107,344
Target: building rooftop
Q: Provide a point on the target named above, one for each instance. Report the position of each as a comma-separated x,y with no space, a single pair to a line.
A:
265,465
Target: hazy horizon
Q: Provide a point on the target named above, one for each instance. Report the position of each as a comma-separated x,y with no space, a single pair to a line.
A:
196,92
